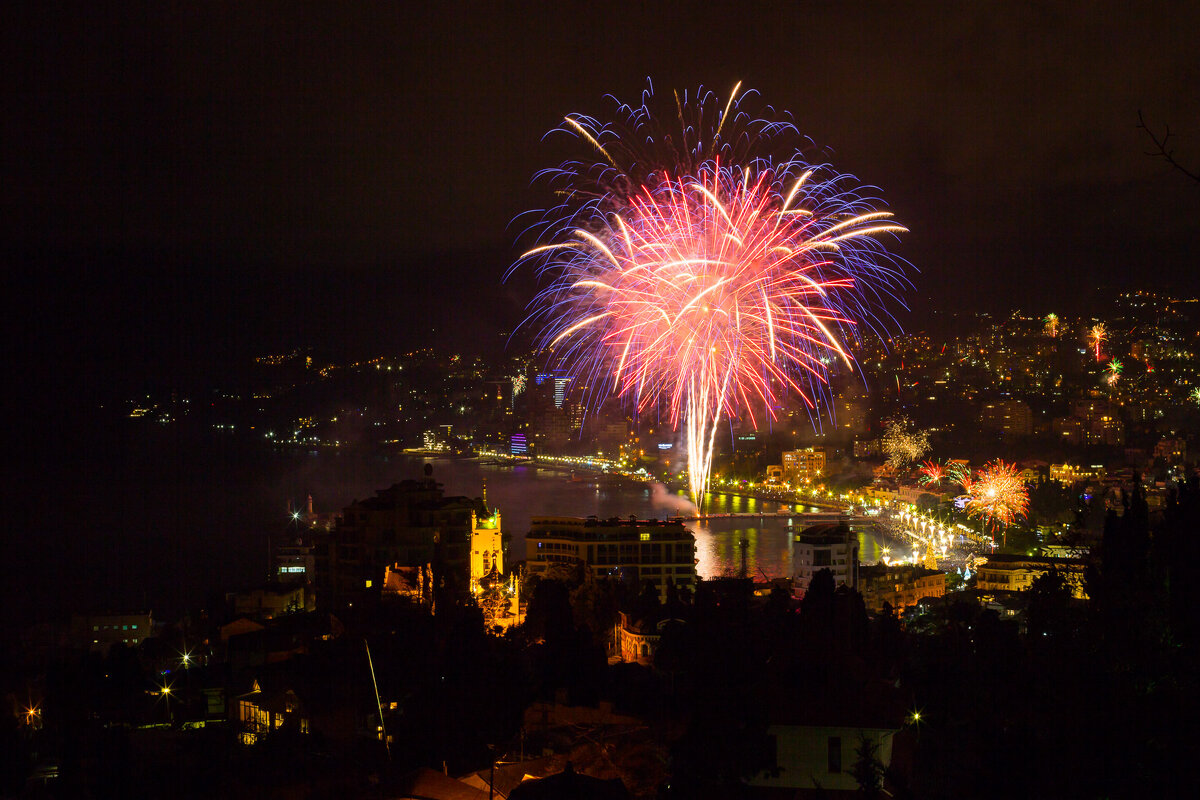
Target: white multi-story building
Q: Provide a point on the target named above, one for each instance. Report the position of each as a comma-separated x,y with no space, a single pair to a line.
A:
830,546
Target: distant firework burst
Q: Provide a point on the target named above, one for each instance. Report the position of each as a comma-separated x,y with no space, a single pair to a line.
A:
901,445
1097,335
692,269
960,473
1113,372
1052,325
997,493
932,473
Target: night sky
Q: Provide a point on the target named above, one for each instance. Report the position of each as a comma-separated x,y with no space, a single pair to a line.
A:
185,185
188,182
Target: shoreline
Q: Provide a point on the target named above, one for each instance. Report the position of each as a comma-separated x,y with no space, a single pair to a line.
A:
589,466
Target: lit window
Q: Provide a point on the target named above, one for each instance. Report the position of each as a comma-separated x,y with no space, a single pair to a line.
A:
368,583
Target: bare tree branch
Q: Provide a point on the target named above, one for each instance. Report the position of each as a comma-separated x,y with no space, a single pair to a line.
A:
1161,150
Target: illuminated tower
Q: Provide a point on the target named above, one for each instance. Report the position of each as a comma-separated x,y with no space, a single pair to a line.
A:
487,547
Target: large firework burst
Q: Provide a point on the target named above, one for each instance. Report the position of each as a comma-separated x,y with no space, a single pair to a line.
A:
997,493
681,137
697,270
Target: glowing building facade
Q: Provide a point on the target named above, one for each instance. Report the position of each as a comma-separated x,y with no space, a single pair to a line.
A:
487,547
410,524
803,466
637,550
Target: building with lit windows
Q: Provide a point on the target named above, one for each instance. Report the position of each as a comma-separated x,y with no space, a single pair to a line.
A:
273,600
295,562
803,466
409,524
899,586
258,713
1009,417
1069,474
1070,430
832,546
1108,429
1013,573
659,551
1171,450
852,416
99,632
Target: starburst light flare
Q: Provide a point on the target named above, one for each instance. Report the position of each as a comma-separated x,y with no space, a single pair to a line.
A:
706,287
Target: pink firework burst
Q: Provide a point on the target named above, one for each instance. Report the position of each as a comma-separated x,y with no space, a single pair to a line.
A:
711,289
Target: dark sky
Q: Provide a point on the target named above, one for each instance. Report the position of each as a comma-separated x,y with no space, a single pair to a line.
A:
202,176
185,183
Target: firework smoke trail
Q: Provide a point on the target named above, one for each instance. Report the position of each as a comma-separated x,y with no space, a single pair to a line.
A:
712,284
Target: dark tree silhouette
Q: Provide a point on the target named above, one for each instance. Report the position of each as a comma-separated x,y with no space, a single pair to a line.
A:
867,769
1162,148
